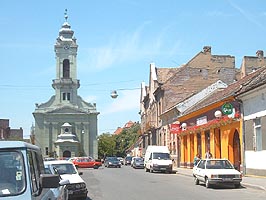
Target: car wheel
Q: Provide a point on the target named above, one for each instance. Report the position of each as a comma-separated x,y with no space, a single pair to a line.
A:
196,180
237,185
207,183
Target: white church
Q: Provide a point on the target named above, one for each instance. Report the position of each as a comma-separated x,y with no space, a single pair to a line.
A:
66,125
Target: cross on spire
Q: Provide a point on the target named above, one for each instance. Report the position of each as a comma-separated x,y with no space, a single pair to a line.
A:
66,15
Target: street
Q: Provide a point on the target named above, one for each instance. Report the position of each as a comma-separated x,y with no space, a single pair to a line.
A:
136,184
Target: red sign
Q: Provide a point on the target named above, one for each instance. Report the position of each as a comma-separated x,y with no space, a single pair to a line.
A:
175,128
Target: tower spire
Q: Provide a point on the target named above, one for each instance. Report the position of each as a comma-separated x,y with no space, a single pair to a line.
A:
66,15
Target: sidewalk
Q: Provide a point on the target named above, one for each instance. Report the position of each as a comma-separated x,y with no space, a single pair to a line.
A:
255,182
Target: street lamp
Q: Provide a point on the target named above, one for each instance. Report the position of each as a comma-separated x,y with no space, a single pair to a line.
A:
114,94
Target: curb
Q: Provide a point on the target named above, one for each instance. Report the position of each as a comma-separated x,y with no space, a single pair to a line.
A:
258,187
253,186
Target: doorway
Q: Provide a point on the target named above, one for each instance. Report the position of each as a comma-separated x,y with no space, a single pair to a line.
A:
236,150
66,154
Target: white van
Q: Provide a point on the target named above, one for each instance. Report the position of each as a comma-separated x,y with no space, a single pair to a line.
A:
157,158
22,175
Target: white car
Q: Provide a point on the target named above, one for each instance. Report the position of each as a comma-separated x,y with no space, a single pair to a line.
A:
77,187
216,171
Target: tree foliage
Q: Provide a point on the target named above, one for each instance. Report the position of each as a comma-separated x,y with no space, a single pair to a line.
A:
117,145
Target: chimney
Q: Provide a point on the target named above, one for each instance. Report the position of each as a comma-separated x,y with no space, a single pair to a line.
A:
259,54
207,49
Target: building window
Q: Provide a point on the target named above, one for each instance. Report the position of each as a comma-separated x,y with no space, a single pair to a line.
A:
257,136
66,69
66,96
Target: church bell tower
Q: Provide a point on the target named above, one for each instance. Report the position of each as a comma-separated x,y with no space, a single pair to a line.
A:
66,82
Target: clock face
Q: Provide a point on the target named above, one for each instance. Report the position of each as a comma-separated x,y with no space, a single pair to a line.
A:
66,46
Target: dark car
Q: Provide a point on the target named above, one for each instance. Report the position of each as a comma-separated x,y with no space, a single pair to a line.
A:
138,163
128,160
112,162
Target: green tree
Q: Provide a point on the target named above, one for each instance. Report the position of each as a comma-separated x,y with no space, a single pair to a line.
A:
117,145
106,145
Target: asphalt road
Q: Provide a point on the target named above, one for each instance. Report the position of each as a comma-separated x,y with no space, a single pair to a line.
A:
136,184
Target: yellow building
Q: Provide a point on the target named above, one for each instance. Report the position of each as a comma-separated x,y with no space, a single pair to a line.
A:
214,123
211,128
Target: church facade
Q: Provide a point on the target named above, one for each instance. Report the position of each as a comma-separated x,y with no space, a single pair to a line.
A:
66,125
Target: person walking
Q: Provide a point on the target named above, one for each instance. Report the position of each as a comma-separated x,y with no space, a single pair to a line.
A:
197,159
208,154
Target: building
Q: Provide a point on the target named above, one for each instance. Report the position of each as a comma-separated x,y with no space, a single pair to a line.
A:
6,133
253,103
66,125
126,126
169,87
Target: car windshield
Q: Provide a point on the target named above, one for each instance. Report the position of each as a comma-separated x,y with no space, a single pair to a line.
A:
12,173
139,159
161,156
129,158
218,164
112,159
64,168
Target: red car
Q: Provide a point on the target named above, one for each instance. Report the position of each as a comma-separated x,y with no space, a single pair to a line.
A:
86,162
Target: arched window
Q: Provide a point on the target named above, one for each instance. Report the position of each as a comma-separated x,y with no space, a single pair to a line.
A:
66,69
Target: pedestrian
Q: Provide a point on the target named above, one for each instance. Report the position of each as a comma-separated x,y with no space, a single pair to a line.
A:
208,154
197,159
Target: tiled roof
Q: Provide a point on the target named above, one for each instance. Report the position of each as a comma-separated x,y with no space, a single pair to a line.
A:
163,74
258,79
118,131
129,124
250,81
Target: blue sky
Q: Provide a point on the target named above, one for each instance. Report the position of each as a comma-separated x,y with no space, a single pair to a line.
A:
117,41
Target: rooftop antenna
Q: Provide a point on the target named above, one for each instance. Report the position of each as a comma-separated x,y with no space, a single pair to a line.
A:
66,15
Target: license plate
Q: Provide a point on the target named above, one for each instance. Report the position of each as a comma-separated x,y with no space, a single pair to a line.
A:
227,179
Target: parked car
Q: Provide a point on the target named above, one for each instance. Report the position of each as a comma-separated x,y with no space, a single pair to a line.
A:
157,158
112,162
60,192
86,162
77,187
128,160
22,174
216,171
121,160
138,163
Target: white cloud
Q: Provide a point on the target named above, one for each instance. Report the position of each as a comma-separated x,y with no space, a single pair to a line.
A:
127,100
128,46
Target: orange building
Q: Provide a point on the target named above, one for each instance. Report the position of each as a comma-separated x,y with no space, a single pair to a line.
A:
210,128
214,124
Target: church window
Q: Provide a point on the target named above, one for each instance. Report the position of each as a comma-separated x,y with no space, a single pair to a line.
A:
46,151
66,69
66,96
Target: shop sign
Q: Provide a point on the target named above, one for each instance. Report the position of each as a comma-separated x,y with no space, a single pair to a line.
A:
227,109
175,128
202,120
